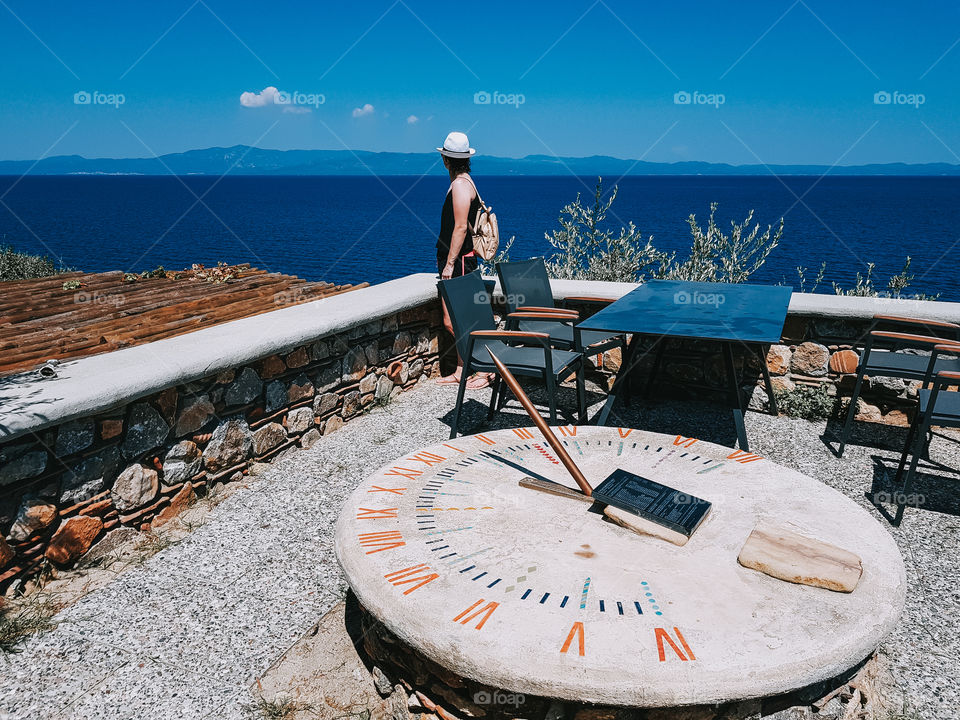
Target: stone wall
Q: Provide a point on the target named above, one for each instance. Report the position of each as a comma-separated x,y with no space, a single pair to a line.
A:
138,465
813,371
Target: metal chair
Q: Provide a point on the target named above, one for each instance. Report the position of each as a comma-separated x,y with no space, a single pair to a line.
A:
475,329
526,289
880,357
937,406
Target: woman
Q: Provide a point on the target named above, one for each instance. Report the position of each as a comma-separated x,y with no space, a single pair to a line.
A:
455,256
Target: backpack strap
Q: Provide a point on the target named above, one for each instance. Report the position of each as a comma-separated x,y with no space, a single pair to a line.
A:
482,203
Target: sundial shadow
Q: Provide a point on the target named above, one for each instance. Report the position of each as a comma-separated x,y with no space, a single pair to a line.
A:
935,487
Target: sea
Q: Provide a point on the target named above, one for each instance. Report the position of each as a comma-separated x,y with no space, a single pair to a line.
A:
356,229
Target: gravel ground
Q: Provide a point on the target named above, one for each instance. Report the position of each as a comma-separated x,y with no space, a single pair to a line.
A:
187,633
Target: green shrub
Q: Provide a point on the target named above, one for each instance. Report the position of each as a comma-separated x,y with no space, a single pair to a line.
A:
809,403
20,266
864,285
586,250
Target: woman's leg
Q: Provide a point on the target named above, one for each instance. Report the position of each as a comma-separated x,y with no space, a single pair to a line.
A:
453,379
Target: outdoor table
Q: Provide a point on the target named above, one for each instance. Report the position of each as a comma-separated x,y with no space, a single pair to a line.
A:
748,315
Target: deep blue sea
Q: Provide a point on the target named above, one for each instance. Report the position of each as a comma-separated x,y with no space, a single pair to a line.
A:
352,229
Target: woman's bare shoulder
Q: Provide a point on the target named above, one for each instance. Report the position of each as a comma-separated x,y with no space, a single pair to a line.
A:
462,185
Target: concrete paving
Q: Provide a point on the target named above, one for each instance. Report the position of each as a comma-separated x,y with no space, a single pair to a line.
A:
187,634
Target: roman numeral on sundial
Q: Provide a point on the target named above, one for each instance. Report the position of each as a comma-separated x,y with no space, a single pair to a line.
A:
409,474
412,575
575,631
568,430
376,514
427,458
743,457
663,635
475,611
624,432
381,541
684,441
523,433
395,491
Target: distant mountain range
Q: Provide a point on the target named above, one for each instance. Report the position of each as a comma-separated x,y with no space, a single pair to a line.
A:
245,160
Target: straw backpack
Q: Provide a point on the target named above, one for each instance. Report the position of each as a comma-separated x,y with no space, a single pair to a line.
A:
485,233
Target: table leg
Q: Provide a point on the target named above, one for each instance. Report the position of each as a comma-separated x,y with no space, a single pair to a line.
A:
762,351
619,382
736,399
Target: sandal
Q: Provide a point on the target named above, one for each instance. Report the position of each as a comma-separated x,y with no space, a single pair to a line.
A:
479,381
452,379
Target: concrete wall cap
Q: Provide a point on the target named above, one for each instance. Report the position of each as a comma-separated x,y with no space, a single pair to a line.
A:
93,384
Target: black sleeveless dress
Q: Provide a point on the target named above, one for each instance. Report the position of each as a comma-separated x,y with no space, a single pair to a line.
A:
466,261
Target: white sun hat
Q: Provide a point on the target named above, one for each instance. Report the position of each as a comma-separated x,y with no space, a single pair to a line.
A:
456,146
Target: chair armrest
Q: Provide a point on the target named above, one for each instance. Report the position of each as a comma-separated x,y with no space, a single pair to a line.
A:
915,321
953,377
589,299
532,308
562,317
948,348
510,335
909,338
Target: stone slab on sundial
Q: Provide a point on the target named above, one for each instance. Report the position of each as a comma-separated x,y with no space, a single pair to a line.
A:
539,594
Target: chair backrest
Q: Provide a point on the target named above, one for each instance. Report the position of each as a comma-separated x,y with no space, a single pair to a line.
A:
525,283
468,302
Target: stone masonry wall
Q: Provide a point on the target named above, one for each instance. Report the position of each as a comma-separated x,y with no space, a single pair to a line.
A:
813,371
139,465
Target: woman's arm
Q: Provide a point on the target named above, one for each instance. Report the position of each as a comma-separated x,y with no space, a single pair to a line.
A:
462,191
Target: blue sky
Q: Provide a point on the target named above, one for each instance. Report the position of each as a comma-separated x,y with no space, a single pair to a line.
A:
772,82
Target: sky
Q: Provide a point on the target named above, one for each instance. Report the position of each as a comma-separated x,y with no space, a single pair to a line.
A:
774,82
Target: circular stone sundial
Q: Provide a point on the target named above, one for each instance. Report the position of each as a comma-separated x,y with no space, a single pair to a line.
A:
539,594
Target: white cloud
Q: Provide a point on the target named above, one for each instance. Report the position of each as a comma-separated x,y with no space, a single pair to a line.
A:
267,96
361,111
413,120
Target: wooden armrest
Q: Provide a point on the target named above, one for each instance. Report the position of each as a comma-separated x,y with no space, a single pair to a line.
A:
949,375
534,308
510,334
916,321
907,337
541,316
587,298
948,347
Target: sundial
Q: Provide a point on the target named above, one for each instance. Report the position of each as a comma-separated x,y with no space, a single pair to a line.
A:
540,594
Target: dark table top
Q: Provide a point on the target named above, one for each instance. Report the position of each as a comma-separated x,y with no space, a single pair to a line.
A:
710,311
